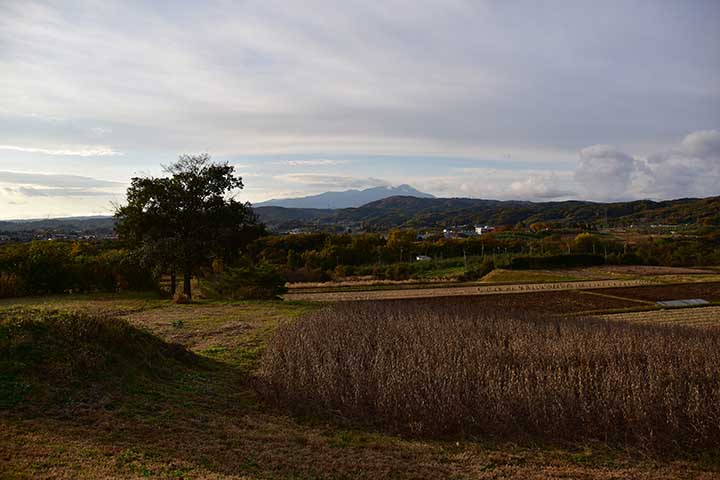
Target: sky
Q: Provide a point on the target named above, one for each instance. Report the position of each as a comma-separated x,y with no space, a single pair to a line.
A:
604,101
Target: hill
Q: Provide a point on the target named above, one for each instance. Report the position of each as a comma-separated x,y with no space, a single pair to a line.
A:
94,224
411,212
344,199
60,359
418,212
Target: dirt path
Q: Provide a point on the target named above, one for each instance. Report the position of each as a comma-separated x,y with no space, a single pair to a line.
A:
462,291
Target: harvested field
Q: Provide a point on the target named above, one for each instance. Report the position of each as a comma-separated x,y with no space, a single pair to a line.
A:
695,317
647,270
461,291
542,302
709,291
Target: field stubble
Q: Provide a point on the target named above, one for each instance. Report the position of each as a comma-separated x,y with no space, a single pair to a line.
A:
210,423
442,369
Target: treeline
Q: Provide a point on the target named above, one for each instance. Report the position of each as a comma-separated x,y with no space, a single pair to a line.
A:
316,256
51,267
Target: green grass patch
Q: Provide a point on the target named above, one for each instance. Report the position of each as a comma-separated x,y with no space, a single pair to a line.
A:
52,357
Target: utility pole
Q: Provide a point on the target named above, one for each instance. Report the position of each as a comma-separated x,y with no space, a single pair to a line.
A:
465,258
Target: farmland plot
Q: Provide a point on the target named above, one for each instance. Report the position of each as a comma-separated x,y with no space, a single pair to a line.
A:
464,291
555,302
698,316
709,291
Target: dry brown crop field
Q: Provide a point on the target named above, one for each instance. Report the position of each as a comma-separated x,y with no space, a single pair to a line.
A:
216,417
441,370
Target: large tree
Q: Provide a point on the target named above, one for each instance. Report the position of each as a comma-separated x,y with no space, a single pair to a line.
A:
181,221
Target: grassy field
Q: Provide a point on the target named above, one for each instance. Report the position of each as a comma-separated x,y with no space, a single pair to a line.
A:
204,418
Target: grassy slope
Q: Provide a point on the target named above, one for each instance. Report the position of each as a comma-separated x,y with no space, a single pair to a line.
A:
207,422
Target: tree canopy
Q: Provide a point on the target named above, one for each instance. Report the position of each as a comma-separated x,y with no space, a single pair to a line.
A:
181,221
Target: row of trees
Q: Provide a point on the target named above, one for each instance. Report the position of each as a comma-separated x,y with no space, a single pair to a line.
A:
59,267
328,252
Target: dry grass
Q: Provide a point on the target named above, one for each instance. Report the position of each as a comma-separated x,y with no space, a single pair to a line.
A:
331,296
210,423
367,281
456,370
696,316
647,270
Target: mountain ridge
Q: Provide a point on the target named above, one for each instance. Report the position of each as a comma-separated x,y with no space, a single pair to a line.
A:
411,212
414,212
345,198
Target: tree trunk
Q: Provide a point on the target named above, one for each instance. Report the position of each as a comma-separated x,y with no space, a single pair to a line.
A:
186,285
173,282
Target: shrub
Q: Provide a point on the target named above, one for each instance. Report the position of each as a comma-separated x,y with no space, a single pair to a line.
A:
261,281
59,267
487,266
11,285
431,370
306,274
398,271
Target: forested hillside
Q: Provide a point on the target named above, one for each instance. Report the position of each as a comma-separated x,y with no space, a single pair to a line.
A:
411,212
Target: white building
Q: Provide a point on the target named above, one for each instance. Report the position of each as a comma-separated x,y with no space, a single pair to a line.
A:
480,229
459,232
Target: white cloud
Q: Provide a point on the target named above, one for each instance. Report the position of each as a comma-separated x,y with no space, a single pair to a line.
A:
80,151
100,131
495,183
546,187
471,80
55,181
604,172
692,169
393,78
314,163
333,182
57,192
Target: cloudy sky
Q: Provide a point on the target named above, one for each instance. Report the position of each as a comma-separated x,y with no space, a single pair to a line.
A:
493,99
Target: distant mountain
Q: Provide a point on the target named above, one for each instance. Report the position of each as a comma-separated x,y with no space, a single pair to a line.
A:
344,199
414,212
411,212
90,224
